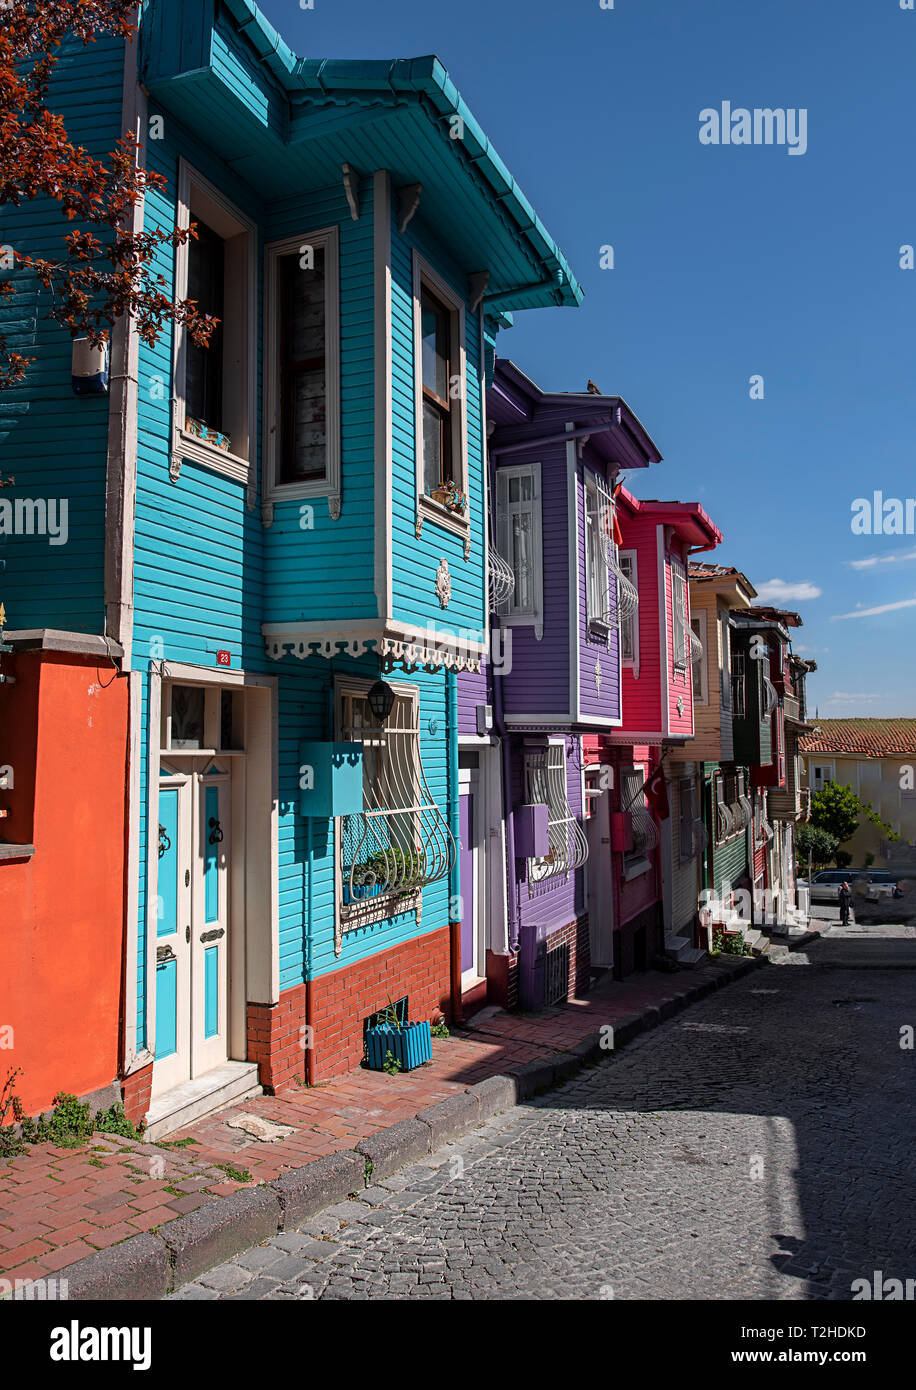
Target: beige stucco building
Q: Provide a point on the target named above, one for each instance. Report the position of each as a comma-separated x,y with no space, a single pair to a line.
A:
876,758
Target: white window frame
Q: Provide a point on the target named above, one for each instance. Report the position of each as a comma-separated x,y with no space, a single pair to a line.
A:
510,613
821,764
701,690
680,612
239,466
427,509
328,239
597,569
625,558
636,861
725,661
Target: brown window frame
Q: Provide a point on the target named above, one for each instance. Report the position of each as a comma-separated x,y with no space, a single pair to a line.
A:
288,369
442,407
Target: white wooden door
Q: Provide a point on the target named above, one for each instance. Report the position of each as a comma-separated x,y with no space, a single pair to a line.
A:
192,936
210,926
598,872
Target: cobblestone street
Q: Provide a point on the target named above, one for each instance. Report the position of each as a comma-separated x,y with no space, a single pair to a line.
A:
758,1145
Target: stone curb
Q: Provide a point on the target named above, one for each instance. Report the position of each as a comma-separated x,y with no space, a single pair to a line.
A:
148,1266
395,1147
304,1192
450,1118
218,1230
137,1268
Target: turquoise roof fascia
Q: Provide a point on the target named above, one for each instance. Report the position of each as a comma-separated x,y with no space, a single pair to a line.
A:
373,85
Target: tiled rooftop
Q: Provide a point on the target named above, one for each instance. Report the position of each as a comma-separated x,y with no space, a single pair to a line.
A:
873,738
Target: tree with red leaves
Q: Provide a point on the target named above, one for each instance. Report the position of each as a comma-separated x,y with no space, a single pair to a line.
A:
97,278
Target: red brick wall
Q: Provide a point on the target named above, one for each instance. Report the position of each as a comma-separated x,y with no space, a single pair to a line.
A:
576,936
277,1039
136,1090
502,979
648,922
339,1003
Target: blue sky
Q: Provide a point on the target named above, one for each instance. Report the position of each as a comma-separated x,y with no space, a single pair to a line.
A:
729,262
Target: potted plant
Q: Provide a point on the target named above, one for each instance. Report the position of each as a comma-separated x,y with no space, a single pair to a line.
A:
371,878
450,496
395,1046
199,430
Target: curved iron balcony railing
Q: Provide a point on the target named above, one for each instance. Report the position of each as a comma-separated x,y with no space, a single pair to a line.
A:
772,699
501,580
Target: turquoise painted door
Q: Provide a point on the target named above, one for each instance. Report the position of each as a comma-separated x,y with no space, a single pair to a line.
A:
192,929
173,939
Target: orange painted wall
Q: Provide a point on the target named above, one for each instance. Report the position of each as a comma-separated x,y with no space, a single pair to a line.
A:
62,911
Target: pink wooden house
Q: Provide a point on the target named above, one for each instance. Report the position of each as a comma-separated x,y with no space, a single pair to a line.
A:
658,647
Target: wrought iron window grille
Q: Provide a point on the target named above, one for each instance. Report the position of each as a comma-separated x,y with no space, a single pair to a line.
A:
400,842
545,778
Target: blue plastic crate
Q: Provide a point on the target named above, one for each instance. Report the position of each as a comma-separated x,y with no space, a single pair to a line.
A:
411,1045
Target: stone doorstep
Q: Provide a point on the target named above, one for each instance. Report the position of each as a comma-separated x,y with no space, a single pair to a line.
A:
149,1267
194,1100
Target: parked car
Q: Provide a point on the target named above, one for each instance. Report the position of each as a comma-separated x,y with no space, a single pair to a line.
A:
825,886
882,884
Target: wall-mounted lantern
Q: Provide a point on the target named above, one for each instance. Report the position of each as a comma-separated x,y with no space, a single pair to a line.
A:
381,700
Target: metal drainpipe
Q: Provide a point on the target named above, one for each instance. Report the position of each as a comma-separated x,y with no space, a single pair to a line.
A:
498,719
454,876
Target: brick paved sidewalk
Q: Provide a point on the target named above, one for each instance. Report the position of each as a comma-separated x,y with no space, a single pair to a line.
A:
57,1205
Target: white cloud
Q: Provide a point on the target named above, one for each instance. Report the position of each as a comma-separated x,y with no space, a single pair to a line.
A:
880,608
800,649
872,560
778,591
844,697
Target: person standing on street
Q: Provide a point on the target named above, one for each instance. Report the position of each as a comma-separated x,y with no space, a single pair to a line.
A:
845,898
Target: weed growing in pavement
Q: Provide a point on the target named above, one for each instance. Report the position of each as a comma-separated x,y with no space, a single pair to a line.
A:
235,1174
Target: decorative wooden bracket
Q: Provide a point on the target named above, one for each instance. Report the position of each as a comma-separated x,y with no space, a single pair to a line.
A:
267,513
408,202
334,506
478,280
351,188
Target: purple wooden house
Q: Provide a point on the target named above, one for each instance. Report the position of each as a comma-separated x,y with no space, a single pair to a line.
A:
553,676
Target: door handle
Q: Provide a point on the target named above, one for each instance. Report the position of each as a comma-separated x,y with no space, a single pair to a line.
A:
213,935
187,933
163,954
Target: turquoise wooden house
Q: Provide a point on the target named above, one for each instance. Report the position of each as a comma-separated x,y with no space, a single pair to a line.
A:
296,550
